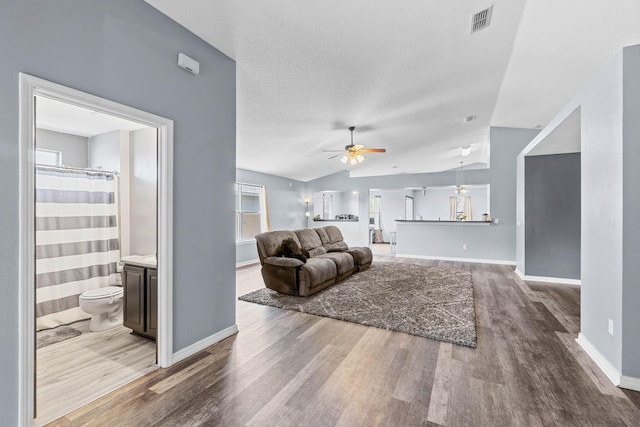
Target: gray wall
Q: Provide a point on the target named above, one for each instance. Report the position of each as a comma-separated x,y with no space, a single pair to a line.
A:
285,203
126,51
72,147
609,106
495,242
631,213
552,206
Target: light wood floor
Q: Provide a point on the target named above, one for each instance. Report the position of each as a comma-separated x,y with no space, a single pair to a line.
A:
72,373
292,369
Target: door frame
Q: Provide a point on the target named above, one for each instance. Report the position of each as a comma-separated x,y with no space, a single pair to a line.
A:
30,86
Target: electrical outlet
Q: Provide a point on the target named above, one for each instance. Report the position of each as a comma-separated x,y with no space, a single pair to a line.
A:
464,247
611,326
496,221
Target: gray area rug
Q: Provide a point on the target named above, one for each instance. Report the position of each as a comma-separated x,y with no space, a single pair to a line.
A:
47,337
431,302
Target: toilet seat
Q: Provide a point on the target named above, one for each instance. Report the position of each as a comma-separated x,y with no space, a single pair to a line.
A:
99,293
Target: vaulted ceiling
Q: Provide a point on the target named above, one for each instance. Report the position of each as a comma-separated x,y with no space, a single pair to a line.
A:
405,73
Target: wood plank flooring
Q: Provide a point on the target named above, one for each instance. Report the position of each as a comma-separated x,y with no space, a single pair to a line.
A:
293,369
74,372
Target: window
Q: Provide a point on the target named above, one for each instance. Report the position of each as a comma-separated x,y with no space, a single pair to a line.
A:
251,211
48,157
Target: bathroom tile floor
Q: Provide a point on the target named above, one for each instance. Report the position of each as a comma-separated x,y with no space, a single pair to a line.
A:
74,372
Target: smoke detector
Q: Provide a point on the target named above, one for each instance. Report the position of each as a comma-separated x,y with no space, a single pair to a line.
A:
481,20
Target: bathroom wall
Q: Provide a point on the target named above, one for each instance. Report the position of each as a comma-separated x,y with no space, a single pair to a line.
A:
72,147
143,191
104,150
134,155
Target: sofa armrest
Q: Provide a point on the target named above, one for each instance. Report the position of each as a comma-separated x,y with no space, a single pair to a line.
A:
277,261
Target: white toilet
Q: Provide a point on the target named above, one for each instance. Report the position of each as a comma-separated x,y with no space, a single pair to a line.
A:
104,305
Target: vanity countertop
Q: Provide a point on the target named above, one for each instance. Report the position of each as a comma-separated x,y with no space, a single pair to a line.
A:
148,261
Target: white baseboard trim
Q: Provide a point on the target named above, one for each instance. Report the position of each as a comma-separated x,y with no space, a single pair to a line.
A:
558,280
602,362
519,273
444,258
204,343
245,263
630,383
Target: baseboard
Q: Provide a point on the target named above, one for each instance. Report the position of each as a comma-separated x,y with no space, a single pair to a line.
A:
519,273
245,263
558,280
603,363
444,258
204,343
630,383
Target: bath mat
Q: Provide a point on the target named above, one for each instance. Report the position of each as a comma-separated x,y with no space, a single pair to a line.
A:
52,336
431,302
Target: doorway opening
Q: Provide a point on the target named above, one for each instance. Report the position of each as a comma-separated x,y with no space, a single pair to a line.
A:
32,92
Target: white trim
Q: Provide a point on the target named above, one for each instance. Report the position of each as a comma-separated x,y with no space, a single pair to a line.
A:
558,280
249,262
204,343
603,363
445,258
630,383
30,86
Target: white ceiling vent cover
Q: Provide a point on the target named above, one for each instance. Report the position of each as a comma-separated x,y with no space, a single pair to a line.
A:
481,20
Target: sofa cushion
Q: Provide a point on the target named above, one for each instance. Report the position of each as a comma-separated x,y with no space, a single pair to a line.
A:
344,263
333,234
336,247
362,257
310,241
316,274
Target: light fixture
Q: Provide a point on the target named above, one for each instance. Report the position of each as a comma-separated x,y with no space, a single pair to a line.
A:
465,150
460,189
307,214
352,155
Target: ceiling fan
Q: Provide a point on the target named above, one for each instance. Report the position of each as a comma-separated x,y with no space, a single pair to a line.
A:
352,154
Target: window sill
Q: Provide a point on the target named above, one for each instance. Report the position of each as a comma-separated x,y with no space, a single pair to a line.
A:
245,242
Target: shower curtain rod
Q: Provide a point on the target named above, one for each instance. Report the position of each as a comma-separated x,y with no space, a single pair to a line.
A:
77,169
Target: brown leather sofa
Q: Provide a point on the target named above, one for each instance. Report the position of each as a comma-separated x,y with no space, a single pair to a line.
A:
330,260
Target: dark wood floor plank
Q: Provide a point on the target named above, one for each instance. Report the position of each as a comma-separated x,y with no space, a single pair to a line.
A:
292,369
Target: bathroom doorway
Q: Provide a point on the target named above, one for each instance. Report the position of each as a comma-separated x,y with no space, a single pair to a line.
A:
85,223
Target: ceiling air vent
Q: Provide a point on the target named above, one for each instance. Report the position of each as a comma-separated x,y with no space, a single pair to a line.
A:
481,20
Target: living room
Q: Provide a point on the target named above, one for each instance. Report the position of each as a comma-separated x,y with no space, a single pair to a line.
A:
528,368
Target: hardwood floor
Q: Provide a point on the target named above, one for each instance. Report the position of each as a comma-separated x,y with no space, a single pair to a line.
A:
293,369
74,372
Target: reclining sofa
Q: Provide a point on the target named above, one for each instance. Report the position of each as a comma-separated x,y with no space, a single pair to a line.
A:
330,260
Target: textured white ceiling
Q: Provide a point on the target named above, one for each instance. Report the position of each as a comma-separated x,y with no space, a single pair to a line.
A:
405,74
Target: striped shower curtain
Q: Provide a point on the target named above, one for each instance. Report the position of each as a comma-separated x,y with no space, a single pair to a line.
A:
77,240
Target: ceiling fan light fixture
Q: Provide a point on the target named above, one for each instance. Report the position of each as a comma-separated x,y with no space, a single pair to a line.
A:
344,159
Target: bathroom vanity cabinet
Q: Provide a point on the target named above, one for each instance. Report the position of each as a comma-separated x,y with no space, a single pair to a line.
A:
140,285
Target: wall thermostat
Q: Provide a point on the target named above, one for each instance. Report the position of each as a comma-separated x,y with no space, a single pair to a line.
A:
189,64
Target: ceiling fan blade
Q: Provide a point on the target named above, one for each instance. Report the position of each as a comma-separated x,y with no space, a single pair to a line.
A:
337,155
373,150
332,151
